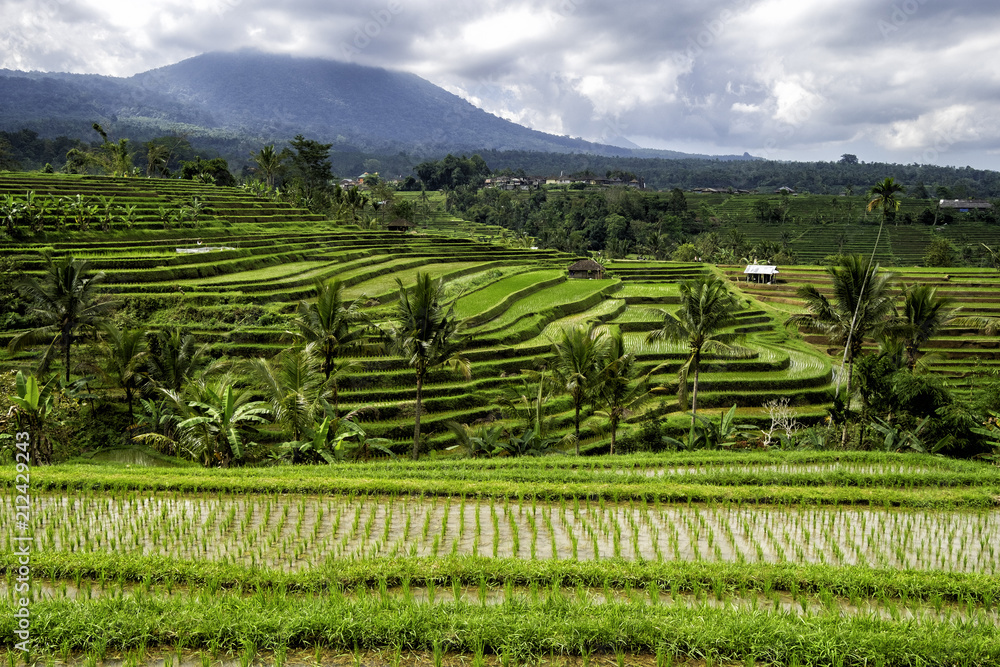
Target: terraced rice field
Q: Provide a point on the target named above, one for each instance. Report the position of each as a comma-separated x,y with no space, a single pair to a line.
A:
239,298
959,353
767,559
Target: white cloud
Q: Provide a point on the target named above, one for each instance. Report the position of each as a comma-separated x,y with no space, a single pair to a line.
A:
729,74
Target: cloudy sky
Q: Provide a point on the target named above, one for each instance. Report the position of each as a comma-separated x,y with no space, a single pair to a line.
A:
895,80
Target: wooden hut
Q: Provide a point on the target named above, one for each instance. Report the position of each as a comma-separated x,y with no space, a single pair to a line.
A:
586,268
399,225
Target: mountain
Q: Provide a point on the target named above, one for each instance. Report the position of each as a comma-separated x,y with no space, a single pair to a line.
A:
268,97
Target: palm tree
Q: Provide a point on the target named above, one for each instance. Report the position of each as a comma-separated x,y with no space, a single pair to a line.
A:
619,394
426,335
707,309
66,300
355,201
862,307
295,388
578,357
157,156
124,355
268,163
925,314
425,200
174,358
215,419
883,198
327,323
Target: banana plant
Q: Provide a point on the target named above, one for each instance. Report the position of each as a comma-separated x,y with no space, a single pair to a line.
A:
11,211
109,210
529,443
317,444
220,417
43,209
896,438
82,211
352,441
991,434
711,435
179,217
484,441
164,214
32,406
129,215
196,208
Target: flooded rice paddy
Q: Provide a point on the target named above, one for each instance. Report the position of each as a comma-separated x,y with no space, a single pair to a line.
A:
297,532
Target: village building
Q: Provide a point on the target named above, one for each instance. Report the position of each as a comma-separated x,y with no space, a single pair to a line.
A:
514,182
965,205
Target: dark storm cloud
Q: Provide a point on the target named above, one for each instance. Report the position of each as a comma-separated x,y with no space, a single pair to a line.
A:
887,79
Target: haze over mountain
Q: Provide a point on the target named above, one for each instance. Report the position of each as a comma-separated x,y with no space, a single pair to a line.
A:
272,98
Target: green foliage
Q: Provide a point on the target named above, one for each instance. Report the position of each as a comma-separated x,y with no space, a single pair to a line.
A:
311,165
330,325
351,441
452,172
481,442
897,438
214,420
884,197
862,306
214,171
940,252
620,390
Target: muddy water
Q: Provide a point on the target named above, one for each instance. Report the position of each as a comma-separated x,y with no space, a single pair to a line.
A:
297,532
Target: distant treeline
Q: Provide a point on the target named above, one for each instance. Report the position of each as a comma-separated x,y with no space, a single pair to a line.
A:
27,150
812,177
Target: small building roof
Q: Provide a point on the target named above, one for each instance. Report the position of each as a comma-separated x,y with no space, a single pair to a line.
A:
765,269
964,203
585,265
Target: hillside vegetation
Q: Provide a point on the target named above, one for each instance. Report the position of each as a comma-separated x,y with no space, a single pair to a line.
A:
239,299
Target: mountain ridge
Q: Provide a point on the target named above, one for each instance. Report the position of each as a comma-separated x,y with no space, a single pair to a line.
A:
273,97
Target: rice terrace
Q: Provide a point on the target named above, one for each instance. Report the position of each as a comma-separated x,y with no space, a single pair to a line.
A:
392,429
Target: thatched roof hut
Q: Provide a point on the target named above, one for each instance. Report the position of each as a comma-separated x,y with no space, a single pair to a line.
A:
586,268
399,225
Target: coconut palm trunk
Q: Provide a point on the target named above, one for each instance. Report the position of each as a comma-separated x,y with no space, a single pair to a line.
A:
696,356
416,420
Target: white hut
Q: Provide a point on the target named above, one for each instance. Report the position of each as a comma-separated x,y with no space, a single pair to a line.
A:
761,273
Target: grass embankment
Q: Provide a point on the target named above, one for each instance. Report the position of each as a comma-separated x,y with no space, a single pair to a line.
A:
853,478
